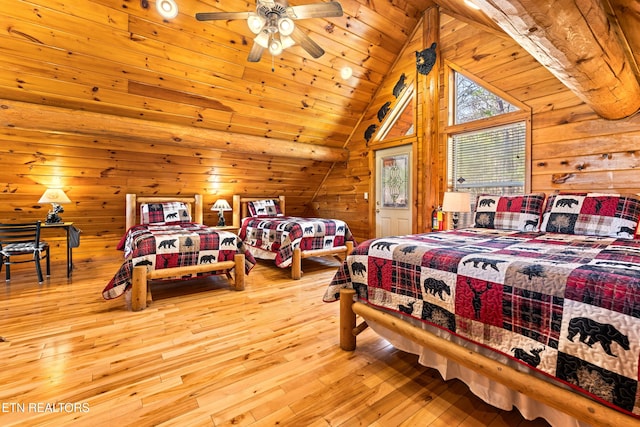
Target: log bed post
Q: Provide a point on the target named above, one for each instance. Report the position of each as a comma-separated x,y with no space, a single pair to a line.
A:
238,272
139,288
347,320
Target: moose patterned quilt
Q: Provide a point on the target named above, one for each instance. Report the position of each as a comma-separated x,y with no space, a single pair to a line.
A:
565,305
173,245
280,235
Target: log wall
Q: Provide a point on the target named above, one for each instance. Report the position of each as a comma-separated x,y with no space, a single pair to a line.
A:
573,149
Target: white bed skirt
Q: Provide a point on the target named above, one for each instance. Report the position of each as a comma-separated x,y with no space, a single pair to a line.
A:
490,391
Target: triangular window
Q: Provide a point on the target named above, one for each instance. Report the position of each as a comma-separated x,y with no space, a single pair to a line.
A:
473,102
399,122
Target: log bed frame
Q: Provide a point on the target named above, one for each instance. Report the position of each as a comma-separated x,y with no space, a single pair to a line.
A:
579,407
140,289
240,211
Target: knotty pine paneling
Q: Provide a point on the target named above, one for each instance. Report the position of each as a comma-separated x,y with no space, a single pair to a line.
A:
572,148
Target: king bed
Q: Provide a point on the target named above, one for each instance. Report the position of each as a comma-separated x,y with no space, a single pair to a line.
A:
533,307
169,241
286,240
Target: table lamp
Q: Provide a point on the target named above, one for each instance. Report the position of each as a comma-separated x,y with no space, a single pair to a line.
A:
221,205
456,202
55,196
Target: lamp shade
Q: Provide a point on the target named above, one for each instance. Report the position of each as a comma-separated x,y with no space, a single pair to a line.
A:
54,195
221,205
455,201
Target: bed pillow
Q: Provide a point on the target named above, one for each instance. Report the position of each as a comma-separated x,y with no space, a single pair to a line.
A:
592,214
266,207
520,212
158,213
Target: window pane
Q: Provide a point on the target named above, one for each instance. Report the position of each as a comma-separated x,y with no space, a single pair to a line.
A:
488,161
473,102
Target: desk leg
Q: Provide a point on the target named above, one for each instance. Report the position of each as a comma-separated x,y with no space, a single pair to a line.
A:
69,253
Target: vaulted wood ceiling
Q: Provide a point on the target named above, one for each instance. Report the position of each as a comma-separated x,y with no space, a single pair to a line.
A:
119,57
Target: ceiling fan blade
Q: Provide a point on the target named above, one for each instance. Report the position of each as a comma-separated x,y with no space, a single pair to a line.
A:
221,16
255,53
307,44
315,10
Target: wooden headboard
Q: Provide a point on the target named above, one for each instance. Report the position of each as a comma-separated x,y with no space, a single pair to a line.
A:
240,209
133,201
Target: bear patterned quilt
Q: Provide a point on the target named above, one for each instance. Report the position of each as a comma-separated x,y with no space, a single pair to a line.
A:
565,305
280,235
173,245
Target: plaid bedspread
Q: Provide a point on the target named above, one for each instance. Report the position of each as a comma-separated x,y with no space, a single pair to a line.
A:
565,305
282,234
173,245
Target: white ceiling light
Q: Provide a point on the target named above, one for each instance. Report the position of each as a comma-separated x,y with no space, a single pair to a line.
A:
285,26
255,22
262,39
168,9
286,41
346,73
275,47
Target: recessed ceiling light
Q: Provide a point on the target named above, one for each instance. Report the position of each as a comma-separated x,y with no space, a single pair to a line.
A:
168,9
346,73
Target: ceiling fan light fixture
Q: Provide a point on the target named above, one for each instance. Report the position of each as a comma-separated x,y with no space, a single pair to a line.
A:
255,22
275,47
168,9
262,39
286,26
286,41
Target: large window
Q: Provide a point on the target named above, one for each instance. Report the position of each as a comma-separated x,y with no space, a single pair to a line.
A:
488,158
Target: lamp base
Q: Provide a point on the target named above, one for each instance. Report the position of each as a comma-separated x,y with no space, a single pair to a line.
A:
455,220
52,216
221,222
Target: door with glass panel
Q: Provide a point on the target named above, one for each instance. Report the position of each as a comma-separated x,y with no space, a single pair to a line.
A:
393,191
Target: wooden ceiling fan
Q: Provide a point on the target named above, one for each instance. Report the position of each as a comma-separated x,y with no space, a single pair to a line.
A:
273,25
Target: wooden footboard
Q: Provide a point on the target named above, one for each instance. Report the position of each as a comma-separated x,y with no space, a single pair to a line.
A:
141,294
298,255
562,399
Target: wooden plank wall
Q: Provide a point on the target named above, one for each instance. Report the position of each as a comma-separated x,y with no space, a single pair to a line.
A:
572,148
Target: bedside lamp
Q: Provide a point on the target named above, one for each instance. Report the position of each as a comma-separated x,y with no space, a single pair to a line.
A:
221,205
55,196
456,202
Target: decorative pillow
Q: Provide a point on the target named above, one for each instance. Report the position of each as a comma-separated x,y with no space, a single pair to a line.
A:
592,214
520,212
154,213
267,207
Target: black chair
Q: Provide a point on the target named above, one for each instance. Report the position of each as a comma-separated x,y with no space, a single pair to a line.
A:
18,240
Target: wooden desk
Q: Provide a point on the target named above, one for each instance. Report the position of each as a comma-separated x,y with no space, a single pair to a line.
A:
67,227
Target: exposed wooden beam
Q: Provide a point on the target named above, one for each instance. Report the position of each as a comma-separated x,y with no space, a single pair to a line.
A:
575,41
16,114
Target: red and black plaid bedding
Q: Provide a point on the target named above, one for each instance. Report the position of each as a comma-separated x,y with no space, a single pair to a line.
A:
173,245
280,235
565,305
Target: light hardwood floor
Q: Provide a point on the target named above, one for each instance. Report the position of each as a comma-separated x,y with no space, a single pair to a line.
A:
203,354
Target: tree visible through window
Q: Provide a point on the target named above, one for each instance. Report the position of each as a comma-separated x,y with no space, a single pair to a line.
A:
489,159
473,102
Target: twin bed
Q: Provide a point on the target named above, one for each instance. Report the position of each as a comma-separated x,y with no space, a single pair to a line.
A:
270,234
167,240
533,307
